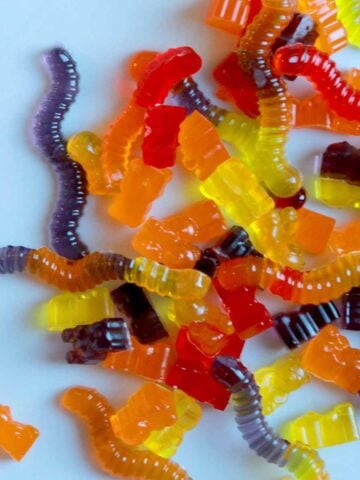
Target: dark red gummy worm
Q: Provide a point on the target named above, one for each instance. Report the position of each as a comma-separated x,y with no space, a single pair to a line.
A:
48,139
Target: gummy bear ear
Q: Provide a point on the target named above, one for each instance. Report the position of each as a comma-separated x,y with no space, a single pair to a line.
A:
230,372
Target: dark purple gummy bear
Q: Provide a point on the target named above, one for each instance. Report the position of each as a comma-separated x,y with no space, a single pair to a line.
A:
91,343
145,323
341,161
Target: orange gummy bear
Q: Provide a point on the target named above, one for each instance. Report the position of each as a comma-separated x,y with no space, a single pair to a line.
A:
113,457
170,241
141,185
330,357
229,15
148,361
204,151
139,62
313,231
118,142
151,408
16,439
346,239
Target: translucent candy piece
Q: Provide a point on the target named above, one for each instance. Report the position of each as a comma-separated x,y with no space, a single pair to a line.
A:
274,235
313,230
203,152
324,429
141,186
349,15
305,464
148,361
229,15
150,408
68,310
16,439
278,380
234,187
337,193
166,442
346,239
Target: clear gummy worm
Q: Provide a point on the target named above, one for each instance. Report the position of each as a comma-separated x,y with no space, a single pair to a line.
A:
48,139
110,453
307,61
302,461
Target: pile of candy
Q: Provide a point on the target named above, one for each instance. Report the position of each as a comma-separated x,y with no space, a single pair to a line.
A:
191,353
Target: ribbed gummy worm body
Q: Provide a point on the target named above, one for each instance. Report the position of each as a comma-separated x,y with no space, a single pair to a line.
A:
269,161
302,461
96,268
315,286
111,454
48,138
316,66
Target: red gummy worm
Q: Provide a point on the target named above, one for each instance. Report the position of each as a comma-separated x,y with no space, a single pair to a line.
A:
317,67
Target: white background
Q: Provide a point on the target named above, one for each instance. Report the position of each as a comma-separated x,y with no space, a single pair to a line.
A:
101,34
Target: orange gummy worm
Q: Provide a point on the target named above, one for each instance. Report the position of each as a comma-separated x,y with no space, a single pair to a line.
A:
110,453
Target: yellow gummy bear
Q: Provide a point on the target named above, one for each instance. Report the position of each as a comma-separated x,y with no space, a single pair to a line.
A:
165,442
276,381
233,186
324,430
274,235
337,193
68,310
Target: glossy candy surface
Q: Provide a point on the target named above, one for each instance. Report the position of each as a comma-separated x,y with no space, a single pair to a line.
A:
171,240
278,380
166,441
229,15
296,201
346,239
148,361
68,310
317,67
49,140
235,188
204,152
268,160
85,148
314,286
249,316
150,408
351,309
309,223
296,328
341,160
113,456
332,35
274,235
337,193
330,357
162,124
163,73
91,343
16,439
318,430
145,322
141,185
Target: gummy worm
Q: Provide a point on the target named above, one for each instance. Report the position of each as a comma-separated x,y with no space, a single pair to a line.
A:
349,14
48,138
275,105
300,460
315,286
317,67
96,268
111,454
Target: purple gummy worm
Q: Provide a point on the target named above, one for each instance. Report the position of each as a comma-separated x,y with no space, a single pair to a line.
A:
48,139
13,259
248,409
188,94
